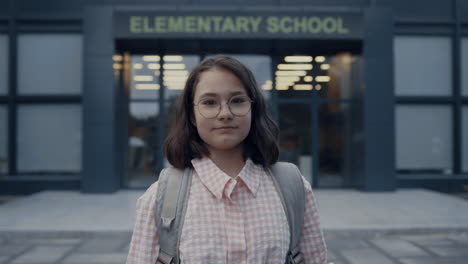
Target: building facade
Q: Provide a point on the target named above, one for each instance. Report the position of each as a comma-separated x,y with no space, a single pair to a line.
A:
368,94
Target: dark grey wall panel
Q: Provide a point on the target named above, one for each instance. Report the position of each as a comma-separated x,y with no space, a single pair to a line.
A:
4,7
463,10
99,173
330,3
419,9
379,149
99,104
241,3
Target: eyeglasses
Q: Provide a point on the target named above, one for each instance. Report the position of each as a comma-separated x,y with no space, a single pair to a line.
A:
237,105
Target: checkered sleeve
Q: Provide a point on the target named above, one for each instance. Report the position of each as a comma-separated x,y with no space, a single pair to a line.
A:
312,243
144,245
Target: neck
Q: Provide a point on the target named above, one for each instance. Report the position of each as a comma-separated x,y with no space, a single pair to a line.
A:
231,161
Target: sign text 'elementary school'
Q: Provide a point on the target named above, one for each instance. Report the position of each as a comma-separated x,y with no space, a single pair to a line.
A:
227,24
237,24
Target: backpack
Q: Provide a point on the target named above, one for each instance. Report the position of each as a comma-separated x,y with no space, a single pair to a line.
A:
172,199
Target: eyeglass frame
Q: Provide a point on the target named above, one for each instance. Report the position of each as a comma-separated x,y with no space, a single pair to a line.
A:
229,108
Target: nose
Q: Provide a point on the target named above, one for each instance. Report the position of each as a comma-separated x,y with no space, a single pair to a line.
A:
224,111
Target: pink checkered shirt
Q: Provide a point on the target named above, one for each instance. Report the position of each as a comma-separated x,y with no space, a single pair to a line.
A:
229,220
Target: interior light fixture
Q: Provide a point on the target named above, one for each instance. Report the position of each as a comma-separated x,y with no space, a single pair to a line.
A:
320,59
154,66
175,66
298,59
303,87
325,66
137,66
322,78
117,57
176,73
173,58
318,87
308,78
147,86
291,73
295,66
151,58
117,66
282,87
143,78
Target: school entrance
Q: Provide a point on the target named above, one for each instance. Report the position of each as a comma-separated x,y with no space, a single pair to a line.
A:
315,68
313,89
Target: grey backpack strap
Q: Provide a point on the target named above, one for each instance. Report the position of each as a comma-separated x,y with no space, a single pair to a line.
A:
290,187
171,204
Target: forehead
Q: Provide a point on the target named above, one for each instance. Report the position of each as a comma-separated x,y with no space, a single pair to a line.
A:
218,82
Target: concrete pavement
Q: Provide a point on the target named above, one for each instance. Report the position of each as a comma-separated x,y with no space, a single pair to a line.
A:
403,227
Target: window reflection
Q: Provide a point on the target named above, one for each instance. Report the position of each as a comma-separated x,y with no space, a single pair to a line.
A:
144,80
176,69
336,154
3,140
328,76
142,142
295,136
3,64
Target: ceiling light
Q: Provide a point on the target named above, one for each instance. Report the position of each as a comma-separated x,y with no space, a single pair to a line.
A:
322,78
151,58
320,59
143,78
298,58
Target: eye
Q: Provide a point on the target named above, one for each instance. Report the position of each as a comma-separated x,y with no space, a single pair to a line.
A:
239,100
209,102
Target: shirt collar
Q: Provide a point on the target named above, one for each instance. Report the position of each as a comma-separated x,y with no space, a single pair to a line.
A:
215,180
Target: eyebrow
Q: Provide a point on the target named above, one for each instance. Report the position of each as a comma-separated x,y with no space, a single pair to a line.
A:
215,94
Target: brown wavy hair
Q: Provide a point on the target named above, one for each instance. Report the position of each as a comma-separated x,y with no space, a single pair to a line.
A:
183,143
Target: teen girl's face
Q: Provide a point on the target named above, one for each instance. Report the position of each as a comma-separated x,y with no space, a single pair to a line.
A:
226,131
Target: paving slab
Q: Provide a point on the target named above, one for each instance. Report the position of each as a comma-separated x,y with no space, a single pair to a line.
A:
433,261
365,256
416,209
399,248
42,254
95,258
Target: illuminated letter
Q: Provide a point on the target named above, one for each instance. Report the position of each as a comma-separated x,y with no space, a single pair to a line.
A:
300,24
243,24
176,24
272,25
204,24
146,26
135,24
255,23
190,24
341,29
329,25
228,25
284,27
314,28
217,21
161,24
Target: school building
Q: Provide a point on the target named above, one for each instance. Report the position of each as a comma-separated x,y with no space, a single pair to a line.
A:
368,94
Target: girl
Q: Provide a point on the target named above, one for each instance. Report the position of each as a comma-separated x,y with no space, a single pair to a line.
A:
234,213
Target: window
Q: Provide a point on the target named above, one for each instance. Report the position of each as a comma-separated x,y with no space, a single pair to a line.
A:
464,66
3,140
424,138
49,64
465,139
3,64
49,138
423,66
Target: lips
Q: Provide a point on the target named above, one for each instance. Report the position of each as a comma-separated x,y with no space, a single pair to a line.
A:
224,128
